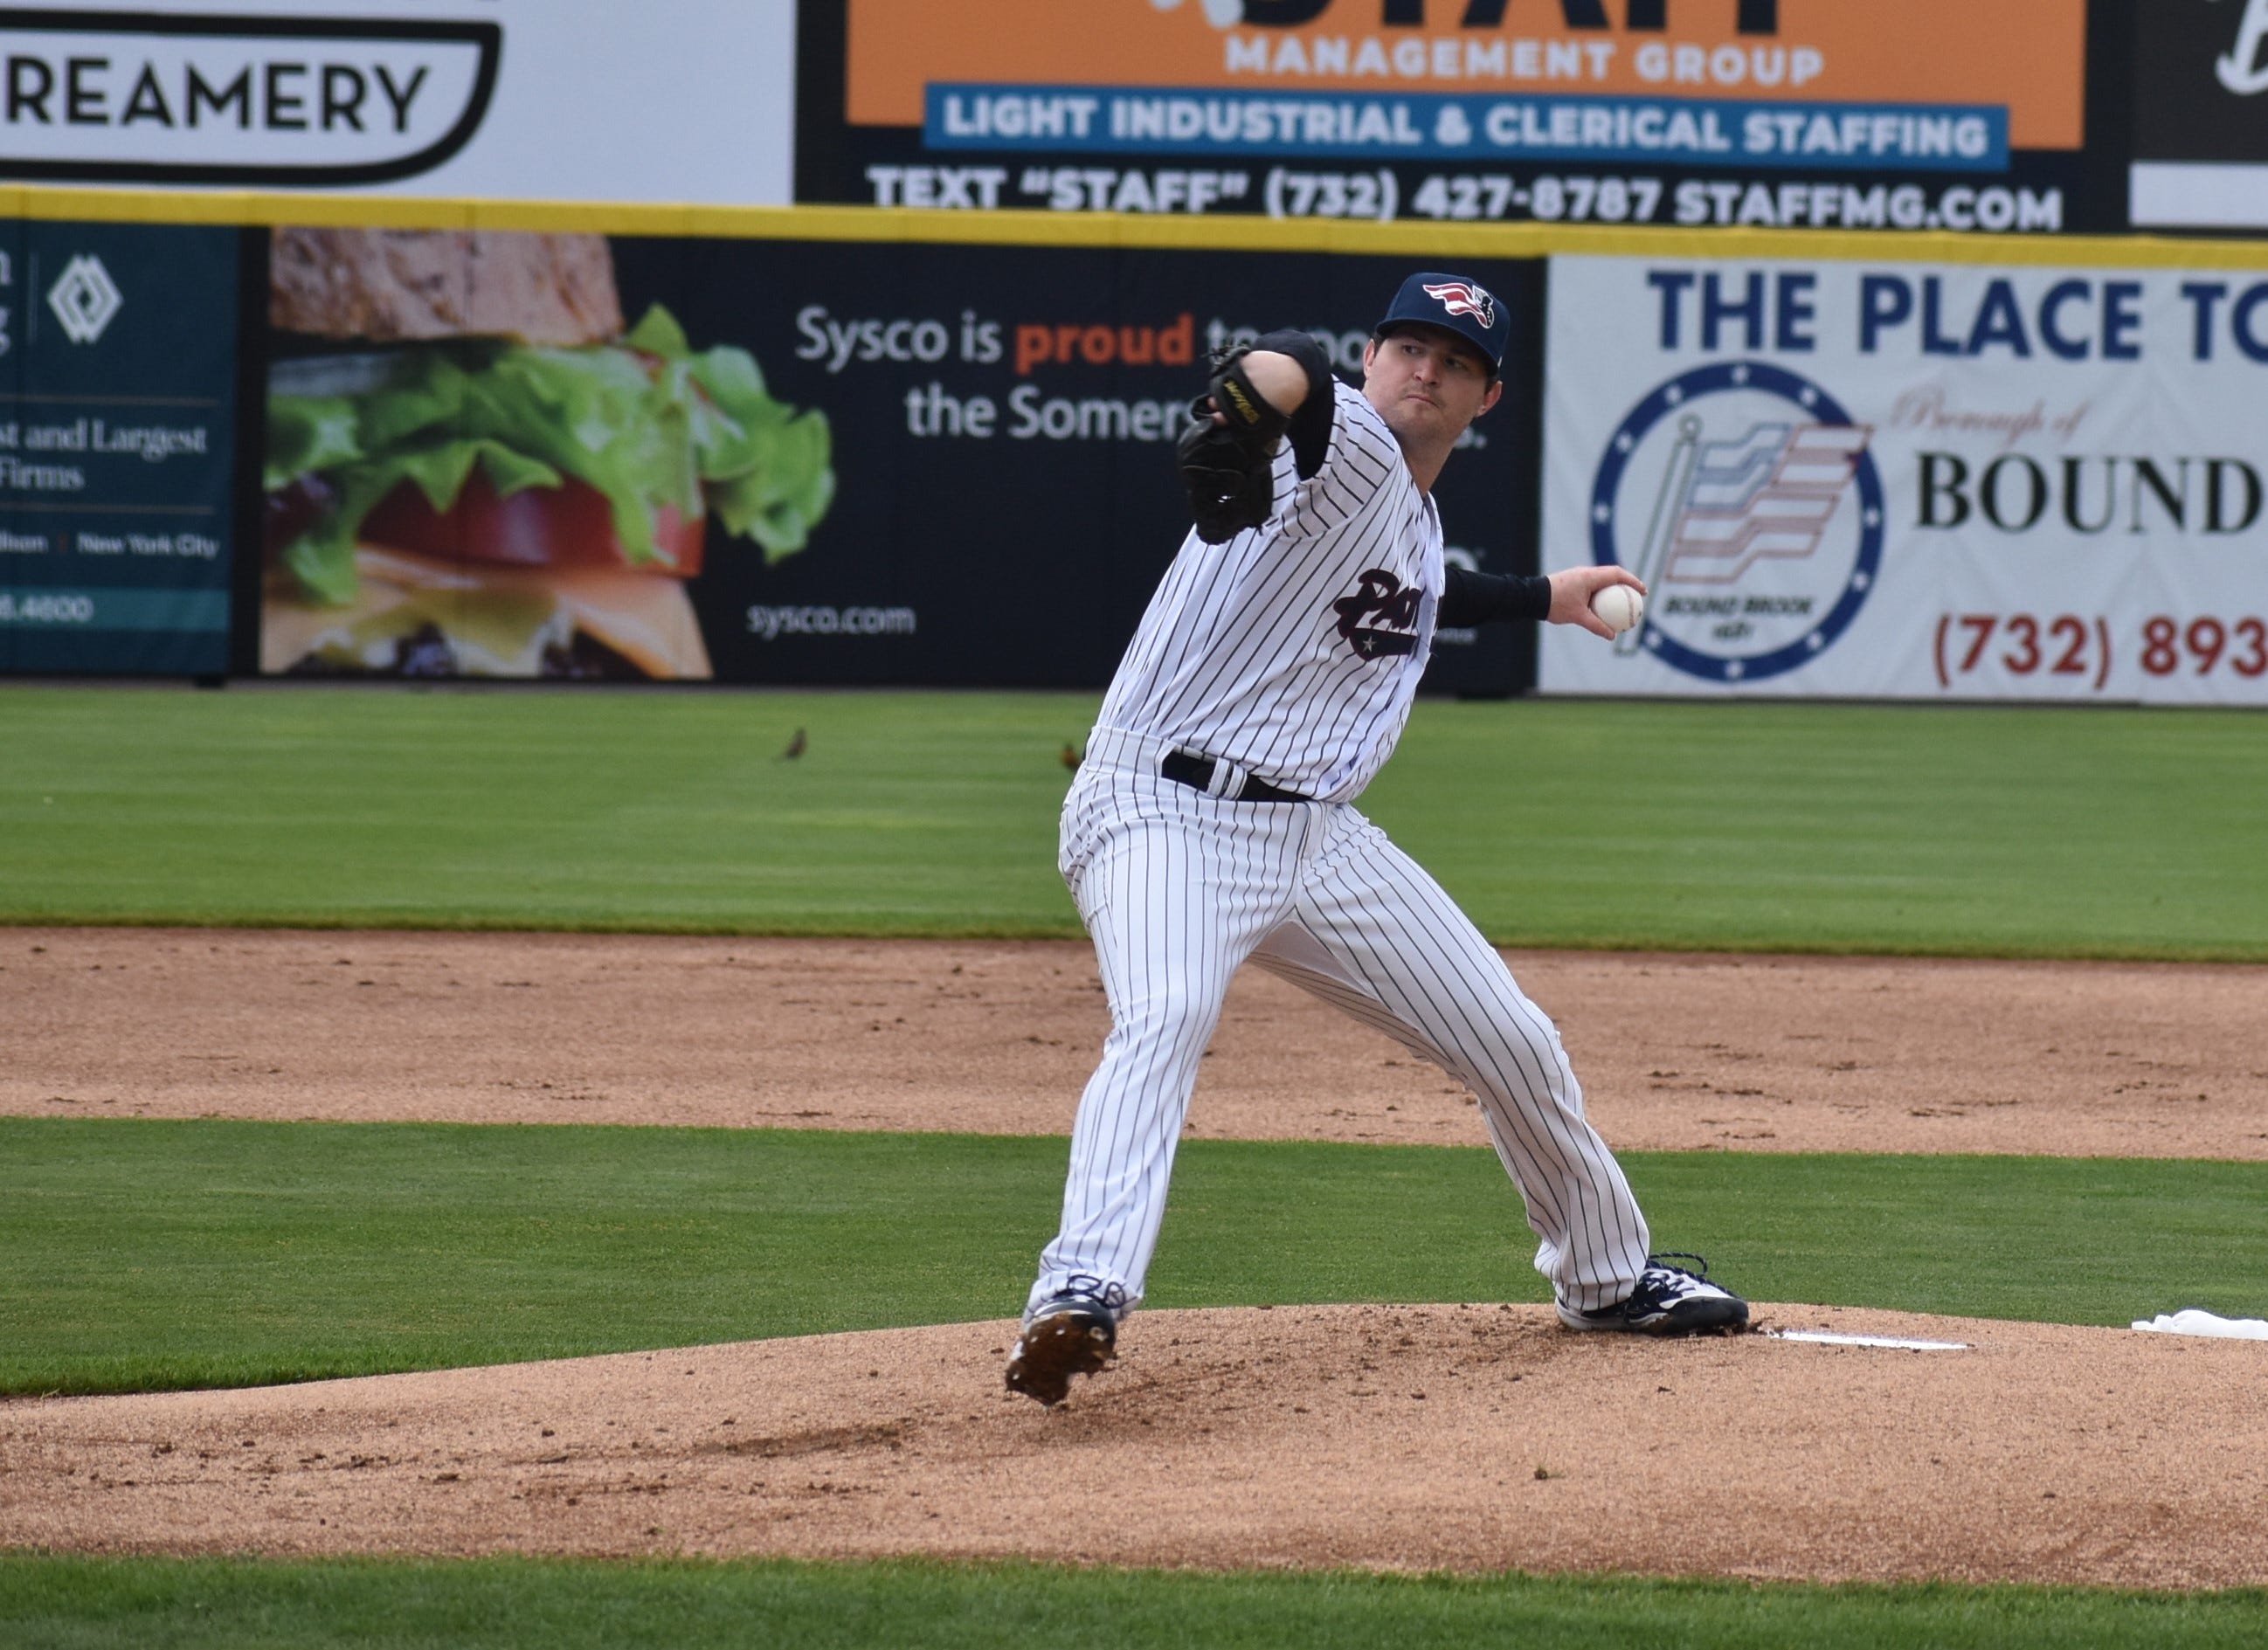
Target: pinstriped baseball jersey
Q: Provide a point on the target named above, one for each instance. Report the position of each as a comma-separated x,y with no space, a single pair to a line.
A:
1290,655
1294,650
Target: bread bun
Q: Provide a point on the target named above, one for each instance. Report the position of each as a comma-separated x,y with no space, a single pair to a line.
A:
390,285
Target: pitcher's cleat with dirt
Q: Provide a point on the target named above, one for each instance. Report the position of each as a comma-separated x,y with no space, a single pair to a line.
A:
1066,1336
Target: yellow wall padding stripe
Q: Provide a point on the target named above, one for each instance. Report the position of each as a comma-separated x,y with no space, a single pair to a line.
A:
1406,240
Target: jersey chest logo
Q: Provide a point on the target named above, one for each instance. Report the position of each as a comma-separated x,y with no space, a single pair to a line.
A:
1380,620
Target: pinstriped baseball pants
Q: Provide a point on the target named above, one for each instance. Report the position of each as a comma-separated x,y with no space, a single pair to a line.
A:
1178,889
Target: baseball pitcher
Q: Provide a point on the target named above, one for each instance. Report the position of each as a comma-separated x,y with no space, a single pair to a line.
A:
1213,823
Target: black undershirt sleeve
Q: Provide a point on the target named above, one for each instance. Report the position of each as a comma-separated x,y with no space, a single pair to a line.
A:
1471,598
1311,425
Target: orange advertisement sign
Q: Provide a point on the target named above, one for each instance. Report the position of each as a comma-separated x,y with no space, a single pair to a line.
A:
2026,57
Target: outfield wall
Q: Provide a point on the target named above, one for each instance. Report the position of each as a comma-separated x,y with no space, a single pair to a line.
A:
1902,465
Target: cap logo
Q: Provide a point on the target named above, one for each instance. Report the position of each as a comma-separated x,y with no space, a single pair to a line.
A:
1461,297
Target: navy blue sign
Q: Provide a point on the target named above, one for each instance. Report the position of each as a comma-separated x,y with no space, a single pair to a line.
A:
1006,497
117,391
898,464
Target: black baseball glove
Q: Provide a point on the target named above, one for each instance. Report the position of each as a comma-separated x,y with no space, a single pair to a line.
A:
1228,467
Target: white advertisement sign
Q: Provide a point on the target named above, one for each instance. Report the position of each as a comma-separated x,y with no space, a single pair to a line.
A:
1886,481
666,101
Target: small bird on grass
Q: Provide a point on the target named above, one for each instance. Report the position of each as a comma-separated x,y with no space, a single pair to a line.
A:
796,747
1071,757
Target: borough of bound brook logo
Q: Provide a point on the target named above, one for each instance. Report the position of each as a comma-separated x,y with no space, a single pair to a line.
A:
1746,499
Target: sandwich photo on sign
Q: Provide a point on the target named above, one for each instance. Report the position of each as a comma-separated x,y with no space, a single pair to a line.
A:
473,468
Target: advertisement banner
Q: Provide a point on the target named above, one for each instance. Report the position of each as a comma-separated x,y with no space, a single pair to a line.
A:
1787,114
117,447
1913,481
2201,114
670,100
523,455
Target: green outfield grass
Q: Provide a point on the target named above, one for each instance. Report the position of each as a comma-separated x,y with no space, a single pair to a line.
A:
1970,832
148,1255
58,1604
151,1255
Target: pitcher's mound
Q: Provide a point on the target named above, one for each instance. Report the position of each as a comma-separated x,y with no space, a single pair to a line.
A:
1472,1438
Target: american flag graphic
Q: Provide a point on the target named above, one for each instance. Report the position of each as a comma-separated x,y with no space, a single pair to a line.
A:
1768,493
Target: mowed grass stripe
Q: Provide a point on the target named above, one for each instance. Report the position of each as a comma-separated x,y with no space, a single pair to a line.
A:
1944,829
51,1602
157,1255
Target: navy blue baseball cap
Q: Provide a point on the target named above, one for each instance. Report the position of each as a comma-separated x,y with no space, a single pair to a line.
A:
1456,303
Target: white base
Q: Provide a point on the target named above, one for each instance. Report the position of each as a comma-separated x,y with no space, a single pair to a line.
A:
2194,1321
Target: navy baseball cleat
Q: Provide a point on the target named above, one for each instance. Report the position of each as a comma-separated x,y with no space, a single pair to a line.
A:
1668,1300
1069,1334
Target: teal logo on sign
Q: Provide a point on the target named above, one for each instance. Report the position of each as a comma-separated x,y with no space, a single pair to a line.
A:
84,299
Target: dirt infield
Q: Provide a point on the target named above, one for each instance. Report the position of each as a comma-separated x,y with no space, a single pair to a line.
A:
1472,1437
1467,1437
1675,1052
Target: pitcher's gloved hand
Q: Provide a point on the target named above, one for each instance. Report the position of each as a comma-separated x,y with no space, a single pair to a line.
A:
1227,454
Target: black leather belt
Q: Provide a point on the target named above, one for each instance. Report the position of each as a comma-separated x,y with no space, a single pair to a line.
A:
1187,768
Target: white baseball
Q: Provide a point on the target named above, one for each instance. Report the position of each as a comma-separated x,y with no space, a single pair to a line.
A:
1620,606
